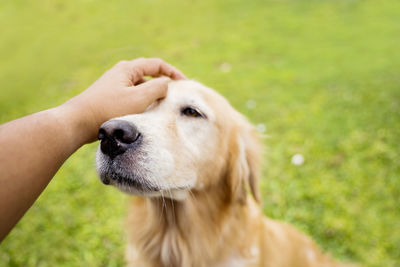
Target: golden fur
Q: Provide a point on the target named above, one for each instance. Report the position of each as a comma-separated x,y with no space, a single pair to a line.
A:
219,223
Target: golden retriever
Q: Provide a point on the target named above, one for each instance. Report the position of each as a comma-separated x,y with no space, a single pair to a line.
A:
194,163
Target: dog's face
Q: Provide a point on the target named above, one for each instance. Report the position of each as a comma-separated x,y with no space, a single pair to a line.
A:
188,141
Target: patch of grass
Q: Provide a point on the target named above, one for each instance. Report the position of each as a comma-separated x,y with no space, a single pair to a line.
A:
325,78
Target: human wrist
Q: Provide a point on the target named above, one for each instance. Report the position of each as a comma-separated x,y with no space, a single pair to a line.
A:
78,121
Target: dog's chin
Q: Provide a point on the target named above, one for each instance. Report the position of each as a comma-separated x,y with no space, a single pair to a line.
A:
136,185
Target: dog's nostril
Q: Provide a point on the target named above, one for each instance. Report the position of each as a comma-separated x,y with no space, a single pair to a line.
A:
102,134
119,134
126,134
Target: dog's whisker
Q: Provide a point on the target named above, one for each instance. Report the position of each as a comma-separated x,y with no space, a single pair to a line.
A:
162,205
191,192
173,207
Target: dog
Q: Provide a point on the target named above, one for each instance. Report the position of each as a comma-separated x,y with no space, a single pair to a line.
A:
193,162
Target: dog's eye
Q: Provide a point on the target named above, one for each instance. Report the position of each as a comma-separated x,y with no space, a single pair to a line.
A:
190,112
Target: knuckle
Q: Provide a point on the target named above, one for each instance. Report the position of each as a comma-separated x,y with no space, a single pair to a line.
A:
157,60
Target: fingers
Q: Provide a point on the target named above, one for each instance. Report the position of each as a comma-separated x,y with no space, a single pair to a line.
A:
154,67
153,90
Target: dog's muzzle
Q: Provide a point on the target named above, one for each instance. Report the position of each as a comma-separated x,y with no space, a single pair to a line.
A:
117,136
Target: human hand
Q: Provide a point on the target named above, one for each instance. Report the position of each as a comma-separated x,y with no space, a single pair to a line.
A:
119,91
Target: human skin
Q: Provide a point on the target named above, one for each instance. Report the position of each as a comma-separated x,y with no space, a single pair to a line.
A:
34,147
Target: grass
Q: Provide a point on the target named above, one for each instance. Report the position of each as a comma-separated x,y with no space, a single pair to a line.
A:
324,76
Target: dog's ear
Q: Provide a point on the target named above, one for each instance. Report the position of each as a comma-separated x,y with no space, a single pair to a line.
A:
244,163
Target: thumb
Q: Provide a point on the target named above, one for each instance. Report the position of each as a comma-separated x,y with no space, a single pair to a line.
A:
153,90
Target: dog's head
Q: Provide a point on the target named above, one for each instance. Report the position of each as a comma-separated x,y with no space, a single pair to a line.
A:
191,140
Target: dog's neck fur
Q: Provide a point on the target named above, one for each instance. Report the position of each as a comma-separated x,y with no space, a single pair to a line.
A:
197,229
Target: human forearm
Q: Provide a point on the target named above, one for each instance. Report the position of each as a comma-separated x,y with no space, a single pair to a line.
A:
33,149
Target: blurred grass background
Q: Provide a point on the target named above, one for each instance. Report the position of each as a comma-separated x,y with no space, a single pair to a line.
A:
323,75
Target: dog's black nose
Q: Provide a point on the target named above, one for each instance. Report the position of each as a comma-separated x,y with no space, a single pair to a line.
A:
116,137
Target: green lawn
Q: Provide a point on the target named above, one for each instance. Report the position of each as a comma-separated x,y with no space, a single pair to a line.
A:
325,77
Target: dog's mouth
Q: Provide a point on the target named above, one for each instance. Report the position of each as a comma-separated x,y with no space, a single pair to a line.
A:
139,186
128,181
125,173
